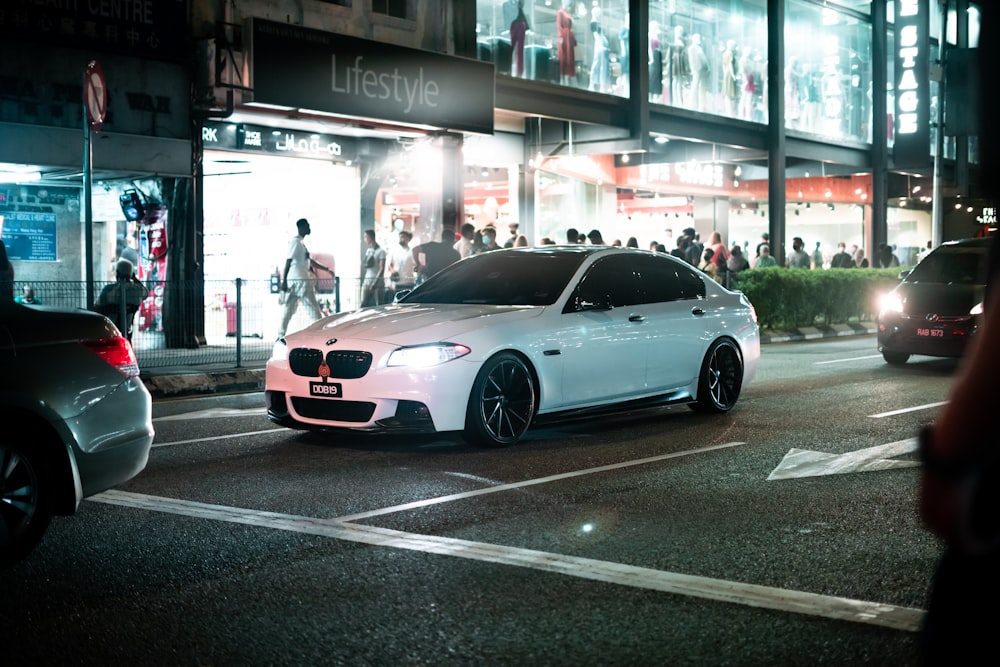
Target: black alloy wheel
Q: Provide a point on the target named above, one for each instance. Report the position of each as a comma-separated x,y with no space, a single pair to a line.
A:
25,502
502,402
721,377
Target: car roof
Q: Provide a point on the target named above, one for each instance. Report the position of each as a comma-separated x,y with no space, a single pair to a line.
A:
979,242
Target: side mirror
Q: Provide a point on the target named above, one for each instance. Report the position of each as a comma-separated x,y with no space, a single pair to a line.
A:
400,294
904,274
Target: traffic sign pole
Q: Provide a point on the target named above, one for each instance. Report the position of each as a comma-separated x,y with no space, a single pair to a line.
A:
95,103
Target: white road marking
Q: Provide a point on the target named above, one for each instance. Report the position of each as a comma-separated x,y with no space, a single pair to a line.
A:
765,597
806,463
532,482
217,437
213,413
903,411
844,361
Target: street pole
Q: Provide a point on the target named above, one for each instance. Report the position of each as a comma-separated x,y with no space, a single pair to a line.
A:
937,207
88,213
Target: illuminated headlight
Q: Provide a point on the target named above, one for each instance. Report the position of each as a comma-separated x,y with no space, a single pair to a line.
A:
427,355
891,303
280,350
977,309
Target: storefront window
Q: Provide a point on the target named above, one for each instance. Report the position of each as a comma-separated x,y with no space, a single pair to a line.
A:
828,67
709,56
563,202
568,42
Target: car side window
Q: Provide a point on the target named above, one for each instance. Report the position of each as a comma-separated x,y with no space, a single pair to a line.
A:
692,285
612,278
659,280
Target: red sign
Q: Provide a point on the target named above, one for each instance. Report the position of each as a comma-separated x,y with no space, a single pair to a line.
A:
95,95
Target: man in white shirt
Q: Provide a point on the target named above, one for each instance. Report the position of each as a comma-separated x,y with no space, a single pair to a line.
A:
297,279
373,286
464,244
400,267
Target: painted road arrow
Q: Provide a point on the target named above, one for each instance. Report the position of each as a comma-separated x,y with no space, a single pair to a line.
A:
807,463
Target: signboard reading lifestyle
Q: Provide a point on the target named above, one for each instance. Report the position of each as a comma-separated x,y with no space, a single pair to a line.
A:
321,71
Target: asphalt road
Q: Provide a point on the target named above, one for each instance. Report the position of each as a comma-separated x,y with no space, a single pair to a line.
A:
783,533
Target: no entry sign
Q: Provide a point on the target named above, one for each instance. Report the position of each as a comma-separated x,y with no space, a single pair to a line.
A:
95,95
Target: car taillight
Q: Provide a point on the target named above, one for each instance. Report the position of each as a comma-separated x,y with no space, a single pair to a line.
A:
116,351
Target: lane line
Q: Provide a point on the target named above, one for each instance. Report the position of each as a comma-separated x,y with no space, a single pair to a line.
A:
842,361
765,597
903,411
217,437
531,482
213,413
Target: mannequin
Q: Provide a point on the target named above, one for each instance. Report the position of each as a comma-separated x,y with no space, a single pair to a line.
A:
567,44
679,70
655,63
518,28
600,68
729,78
748,87
623,37
700,73
793,95
810,89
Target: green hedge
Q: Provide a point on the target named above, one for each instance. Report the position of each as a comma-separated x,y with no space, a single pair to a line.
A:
793,298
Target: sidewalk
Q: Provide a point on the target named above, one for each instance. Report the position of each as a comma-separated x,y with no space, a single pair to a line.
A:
201,380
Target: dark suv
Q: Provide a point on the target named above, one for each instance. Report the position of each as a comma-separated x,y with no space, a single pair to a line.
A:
938,306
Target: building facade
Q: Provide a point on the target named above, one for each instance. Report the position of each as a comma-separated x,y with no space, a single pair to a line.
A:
229,120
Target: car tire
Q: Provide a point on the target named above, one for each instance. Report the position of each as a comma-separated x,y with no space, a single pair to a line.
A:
895,358
721,378
502,402
25,501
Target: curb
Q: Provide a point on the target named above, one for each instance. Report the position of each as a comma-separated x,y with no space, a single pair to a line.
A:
813,333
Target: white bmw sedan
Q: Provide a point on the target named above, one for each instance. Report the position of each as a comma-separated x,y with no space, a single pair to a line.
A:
500,340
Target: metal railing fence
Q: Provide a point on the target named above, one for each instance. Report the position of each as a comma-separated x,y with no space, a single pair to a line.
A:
238,325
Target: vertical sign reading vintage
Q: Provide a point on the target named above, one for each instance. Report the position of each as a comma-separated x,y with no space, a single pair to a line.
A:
911,147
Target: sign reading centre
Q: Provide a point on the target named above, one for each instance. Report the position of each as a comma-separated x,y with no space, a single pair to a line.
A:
311,69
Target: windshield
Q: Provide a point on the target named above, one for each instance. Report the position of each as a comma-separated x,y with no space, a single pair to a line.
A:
961,266
501,277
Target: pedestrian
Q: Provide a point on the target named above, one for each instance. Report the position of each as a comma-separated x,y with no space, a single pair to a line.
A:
632,242
595,238
707,264
885,258
764,259
721,253
27,296
119,300
798,258
6,274
841,259
695,248
923,252
680,252
737,260
490,239
373,279
860,261
509,243
521,241
400,266
464,244
297,278
572,236
431,257
765,240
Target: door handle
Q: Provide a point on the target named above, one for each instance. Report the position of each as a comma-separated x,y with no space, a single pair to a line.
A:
636,318
697,311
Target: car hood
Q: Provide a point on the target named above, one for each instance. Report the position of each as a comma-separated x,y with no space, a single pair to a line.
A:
406,324
948,300
25,326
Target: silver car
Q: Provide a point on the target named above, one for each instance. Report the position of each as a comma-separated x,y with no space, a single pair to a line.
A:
78,419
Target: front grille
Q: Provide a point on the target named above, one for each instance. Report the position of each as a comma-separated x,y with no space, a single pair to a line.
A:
334,410
344,364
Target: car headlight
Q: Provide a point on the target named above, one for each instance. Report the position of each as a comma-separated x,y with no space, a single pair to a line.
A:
977,309
891,303
280,350
427,355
